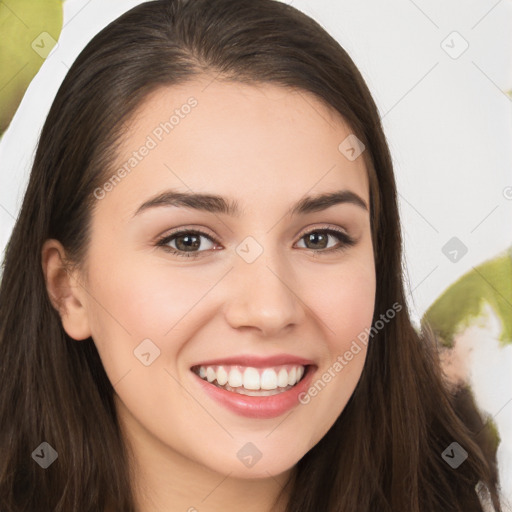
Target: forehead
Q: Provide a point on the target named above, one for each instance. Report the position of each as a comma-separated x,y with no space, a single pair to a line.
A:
242,140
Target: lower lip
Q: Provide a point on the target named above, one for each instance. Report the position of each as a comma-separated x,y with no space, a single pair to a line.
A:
262,407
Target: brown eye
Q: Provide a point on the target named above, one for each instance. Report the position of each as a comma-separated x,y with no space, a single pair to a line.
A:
318,240
186,243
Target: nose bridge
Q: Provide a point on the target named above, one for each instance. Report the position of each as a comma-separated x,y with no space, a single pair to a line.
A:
261,290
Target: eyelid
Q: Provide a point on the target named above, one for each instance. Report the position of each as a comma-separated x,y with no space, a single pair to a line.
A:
186,229
202,231
322,227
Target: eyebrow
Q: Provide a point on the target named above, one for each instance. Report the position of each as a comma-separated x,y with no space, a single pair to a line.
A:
217,204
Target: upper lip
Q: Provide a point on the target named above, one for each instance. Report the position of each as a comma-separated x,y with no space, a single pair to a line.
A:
257,361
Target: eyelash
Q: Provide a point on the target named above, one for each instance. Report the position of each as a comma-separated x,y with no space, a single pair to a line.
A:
346,241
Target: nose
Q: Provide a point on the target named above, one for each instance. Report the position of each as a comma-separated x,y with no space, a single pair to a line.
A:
264,295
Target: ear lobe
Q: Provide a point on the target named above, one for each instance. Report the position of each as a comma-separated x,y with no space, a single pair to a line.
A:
65,291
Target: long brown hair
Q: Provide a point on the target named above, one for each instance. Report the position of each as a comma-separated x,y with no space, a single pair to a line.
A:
383,453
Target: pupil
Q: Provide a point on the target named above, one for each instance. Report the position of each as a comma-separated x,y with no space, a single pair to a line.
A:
188,244
314,237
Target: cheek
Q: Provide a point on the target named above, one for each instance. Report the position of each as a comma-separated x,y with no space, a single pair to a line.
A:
128,305
148,300
133,302
344,301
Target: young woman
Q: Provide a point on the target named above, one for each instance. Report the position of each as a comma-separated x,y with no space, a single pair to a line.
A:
202,304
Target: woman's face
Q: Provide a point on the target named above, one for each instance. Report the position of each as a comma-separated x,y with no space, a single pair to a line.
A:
262,282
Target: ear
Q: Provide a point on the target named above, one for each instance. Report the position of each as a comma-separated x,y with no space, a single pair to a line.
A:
65,291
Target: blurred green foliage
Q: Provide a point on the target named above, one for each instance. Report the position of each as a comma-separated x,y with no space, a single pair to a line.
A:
29,30
462,302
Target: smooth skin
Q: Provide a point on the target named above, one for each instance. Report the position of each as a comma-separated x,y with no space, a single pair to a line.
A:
265,147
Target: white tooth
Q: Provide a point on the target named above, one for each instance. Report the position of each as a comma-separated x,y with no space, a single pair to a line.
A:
260,392
251,378
235,378
202,372
282,378
210,374
222,376
292,376
268,379
300,372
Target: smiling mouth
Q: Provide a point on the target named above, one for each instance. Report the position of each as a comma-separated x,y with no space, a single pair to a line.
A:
250,381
